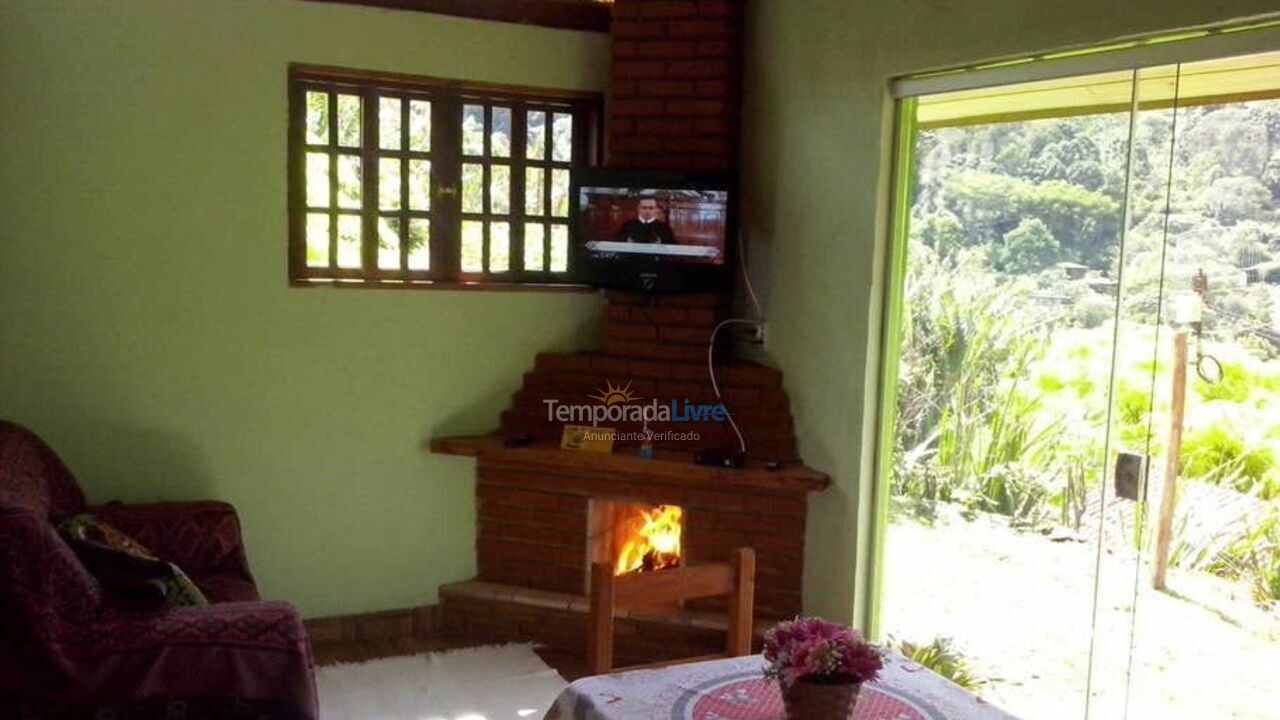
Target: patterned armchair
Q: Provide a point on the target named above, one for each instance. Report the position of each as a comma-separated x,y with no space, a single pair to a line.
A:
65,651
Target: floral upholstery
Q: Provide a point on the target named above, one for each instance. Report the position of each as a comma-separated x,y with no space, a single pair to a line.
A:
66,651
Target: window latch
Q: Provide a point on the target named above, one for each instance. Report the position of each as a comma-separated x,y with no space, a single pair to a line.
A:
448,190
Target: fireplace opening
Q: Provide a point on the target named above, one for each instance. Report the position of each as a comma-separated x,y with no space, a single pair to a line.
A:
636,537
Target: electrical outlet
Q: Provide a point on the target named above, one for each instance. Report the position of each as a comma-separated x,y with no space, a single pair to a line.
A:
759,333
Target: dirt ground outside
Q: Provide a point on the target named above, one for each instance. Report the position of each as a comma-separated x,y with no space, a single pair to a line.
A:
1020,607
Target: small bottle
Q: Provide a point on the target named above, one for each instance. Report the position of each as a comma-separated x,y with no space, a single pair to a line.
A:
646,445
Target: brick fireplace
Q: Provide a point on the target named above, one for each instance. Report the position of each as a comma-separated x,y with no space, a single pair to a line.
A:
546,514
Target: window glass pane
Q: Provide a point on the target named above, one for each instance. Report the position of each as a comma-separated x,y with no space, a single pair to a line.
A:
349,120
560,193
533,179
419,244
560,249
420,125
499,247
473,130
534,253
472,246
500,133
472,188
535,143
349,182
348,241
500,189
562,131
318,118
317,240
317,180
389,183
389,123
419,184
389,243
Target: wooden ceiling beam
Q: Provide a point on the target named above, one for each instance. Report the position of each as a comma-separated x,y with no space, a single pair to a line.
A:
589,15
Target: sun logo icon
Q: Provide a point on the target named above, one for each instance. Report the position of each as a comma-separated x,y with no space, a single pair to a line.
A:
613,394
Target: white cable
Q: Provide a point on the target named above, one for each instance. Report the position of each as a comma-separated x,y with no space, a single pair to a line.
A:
711,370
746,277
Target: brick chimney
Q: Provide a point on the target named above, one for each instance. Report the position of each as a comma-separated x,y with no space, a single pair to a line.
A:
675,84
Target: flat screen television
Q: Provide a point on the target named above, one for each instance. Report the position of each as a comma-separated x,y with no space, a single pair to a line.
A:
655,231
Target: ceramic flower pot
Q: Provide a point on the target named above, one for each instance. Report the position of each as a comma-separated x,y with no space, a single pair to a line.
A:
807,700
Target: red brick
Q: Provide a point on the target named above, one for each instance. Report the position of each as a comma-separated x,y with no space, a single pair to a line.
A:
757,524
707,145
669,8
625,48
633,29
666,127
636,143
701,69
630,331
621,297
620,160
665,49
663,162
716,8
679,390
685,335
712,126
712,162
687,300
622,125
716,49
666,88
702,28
714,88
695,107
638,69
619,90
636,107
621,312
626,9
610,366
741,398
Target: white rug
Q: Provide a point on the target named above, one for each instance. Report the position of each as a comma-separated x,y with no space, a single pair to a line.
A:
487,683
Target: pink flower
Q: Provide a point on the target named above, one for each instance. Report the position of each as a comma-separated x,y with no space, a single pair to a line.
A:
821,651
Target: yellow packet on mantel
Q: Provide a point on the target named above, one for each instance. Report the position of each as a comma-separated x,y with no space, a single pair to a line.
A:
585,438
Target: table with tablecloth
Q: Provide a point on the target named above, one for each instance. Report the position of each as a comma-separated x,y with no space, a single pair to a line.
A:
735,689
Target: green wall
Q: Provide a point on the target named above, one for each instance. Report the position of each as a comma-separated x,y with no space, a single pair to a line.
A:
146,326
817,160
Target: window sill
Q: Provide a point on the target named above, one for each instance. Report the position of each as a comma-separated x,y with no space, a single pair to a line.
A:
570,288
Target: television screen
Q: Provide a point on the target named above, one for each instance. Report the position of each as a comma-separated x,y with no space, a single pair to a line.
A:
667,225
654,230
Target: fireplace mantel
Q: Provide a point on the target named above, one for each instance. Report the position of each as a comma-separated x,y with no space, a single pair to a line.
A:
630,466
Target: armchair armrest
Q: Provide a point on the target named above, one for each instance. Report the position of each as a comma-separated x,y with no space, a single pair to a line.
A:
254,651
199,537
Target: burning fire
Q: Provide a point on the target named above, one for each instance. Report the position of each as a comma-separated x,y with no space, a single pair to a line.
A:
652,541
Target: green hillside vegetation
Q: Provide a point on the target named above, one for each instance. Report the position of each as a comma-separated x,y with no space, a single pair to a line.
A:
1013,274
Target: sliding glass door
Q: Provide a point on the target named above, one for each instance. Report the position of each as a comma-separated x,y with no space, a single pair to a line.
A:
1057,240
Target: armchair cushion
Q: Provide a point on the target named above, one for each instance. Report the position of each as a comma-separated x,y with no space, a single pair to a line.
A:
202,538
126,568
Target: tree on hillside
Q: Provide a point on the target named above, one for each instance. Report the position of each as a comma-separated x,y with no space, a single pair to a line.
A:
1028,248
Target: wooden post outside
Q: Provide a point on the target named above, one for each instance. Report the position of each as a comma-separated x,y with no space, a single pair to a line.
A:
1169,494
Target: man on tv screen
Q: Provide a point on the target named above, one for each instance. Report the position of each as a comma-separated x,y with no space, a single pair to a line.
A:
647,227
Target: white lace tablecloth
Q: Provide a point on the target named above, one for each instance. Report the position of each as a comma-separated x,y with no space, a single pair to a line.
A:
736,690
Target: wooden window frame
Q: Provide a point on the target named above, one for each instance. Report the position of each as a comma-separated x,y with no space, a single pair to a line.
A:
445,154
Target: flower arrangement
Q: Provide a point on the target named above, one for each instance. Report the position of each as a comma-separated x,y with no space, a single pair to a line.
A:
821,652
